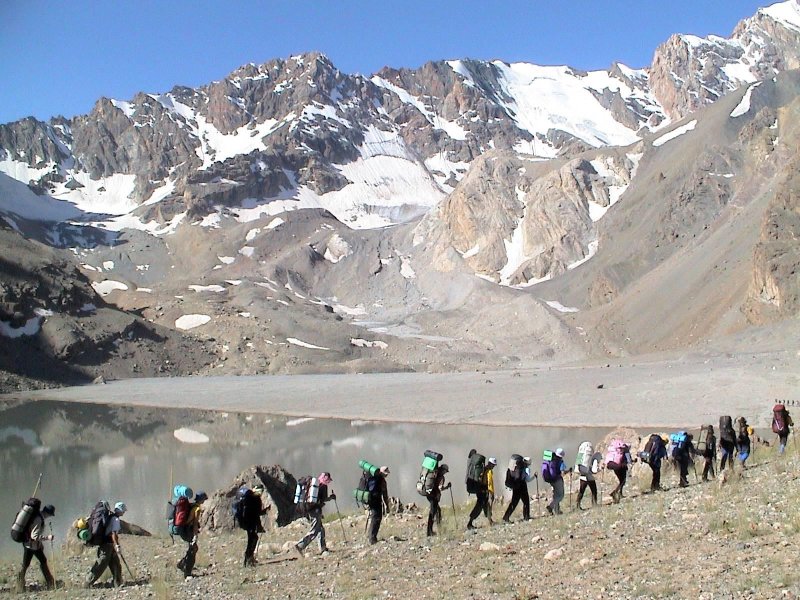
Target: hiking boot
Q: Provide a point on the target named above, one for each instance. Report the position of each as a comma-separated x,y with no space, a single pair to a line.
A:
298,550
549,509
470,525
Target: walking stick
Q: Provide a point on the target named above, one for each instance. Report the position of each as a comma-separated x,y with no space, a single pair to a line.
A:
336,504
538,499
38,483
52,549
453,502
570,490
125,562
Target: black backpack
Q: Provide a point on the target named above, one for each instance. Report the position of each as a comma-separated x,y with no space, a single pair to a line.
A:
652,449
98,521
475,467
238,506
726,432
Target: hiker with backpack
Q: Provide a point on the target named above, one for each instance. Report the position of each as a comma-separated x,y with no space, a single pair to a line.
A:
312,496
192,530
707,448
477,483
727,442
378,501
32,541
655,450
108,550
743,441
618,458
434,496
489,476
517,481
683,452
249,511
781,425
587,463
553,468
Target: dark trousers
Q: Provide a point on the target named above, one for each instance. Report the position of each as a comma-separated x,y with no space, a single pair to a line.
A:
520,492
375,518
186,564
435,512
655,483
683,466
106,557
592,485
27,556
250,550
481,503
622,475
728,449
708,468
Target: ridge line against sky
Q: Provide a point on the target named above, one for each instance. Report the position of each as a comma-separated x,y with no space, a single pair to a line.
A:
59,58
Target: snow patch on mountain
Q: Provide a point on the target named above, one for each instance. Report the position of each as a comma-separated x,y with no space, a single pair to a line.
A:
677,132
744,106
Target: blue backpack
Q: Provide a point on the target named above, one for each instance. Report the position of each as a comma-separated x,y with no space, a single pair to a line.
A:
678,440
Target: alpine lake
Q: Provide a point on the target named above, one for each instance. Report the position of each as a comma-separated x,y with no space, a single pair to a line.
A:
88,452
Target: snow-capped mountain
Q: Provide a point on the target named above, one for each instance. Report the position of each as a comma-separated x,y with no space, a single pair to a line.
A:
517,173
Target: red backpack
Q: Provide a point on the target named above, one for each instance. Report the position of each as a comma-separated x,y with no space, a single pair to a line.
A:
780,419
183,510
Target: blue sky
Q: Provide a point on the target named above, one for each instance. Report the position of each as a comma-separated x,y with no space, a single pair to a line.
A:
60,57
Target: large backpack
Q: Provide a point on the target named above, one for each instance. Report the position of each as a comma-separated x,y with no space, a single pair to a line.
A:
98,521
705,445
516,470
741,433
616,452
583,460
20,529
475,468
780,420
550,466
239,503
429,472
362,491
726,432
652,449
306,492
679,441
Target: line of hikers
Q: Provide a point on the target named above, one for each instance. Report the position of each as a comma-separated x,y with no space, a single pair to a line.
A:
103,525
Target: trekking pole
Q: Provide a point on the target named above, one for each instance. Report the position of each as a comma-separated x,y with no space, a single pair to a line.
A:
336,504
453,502
38,483
538,499
52,550
125,562
570,490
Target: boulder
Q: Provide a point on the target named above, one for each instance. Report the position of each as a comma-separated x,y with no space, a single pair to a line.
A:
278,498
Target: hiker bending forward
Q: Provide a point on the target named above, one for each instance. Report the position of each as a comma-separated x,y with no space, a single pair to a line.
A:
252,511
477,483
435,496
314,515
378,501
108,553
33,546
684,455
186,564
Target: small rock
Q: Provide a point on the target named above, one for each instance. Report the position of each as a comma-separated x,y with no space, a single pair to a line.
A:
585,561
554,554
488,547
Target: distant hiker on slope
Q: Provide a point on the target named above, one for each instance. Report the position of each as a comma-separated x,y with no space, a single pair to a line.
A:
655,450
109,551
477,483
781,425
727,442
517,482
314,495
186,564
707,448
553,468
489,475
683,453
378,501
743,433
33,536
587,464
249,510
434,497
618,458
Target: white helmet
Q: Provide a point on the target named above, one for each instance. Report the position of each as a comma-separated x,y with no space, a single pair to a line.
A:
120,508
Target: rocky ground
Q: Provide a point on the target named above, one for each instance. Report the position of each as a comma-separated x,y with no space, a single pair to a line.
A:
736,540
